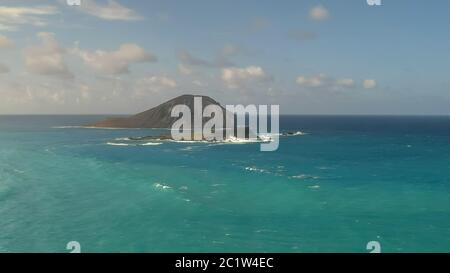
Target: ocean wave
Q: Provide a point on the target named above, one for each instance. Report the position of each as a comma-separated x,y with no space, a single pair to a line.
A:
305,177
162,186
189,141
240,141
297,133
325,168
262,138
133,144
118,144
123,139
235,140
255,169
18,171
67,127
93,127
151,144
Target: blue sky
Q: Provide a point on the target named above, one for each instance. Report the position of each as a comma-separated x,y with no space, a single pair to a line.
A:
311,57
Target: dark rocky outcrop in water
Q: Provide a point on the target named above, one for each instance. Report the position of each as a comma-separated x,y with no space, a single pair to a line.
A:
157,117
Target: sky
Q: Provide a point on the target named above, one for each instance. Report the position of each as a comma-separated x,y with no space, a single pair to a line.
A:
308,56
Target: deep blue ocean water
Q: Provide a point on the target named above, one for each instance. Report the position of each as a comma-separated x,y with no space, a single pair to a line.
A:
348,181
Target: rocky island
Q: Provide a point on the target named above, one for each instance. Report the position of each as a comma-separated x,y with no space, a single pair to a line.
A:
157,117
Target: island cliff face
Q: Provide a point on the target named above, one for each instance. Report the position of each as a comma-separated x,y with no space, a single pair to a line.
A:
157,117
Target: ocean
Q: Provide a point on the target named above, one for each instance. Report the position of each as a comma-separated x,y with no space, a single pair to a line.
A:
346,181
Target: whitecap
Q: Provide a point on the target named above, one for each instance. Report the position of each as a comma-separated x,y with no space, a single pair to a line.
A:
92,127
297,133
18,171
255,169
235,140
129,144
304,176
189,141
123,139
67,127
151,144
118,144
161,186
325,168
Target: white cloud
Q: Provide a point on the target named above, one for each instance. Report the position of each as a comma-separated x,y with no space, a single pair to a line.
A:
220,60
199,83
5,42
319,13
349,83
3,69
115,62
369,84
184,70
223,57
111,10
11,17
187,58
30,96
46,58
235,77
154,84
322,81
312,81
162,81
85,91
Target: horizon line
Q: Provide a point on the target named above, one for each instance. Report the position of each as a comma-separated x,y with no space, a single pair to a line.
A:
347,115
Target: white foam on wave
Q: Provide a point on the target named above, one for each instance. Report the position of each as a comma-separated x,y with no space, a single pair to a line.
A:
230,140
262,138
304,177
93,127
297,133
151,144
235,140
133,144
162,186
69,127
117,144
255,169
123,139
189,141
325,168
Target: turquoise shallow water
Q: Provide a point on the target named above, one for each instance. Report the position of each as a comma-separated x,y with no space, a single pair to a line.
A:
349,181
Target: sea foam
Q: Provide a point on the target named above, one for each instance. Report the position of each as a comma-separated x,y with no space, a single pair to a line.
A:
118,144
151,144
